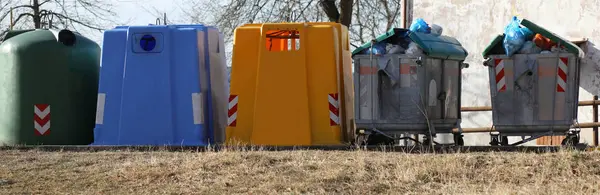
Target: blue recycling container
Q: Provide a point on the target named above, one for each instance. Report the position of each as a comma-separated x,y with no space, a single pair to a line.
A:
162,85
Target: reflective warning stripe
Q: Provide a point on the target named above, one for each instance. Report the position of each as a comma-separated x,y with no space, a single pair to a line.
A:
41,119
500,77
561,73
232,113
334,111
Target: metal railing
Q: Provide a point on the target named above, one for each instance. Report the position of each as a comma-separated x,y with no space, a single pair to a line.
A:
594,125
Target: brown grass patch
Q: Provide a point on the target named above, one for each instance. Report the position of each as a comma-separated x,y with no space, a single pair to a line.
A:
297,172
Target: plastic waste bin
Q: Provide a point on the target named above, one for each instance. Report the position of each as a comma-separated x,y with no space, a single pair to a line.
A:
49,82
415,93
537,93
291,85
162,85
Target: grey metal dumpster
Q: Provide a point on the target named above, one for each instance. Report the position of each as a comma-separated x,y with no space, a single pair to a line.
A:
534,94
409,94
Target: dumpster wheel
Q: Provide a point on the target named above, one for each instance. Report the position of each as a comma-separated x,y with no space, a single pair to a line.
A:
458,139
572,139
360,138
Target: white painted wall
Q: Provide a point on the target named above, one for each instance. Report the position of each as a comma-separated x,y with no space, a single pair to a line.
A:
475,23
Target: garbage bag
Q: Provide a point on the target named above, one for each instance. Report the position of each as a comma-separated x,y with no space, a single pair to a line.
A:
395,49
414,49
514,37
378,49
436,30
556,49
419,25
530,48
528,33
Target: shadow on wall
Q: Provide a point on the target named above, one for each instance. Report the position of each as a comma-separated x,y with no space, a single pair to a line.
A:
590,69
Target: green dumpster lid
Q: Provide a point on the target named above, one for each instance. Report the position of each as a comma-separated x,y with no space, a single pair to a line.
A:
496,46
442,47
381,38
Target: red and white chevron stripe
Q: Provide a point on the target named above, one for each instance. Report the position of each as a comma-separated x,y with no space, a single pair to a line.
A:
232,113
561,73
334,109
41,119
500,77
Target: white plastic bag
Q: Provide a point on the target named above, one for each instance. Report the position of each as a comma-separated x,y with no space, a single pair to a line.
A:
414,49
530,48
436,30
395,49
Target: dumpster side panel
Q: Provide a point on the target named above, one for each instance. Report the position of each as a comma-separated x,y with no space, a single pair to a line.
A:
367,89
434,87
281,112
501,88
547,89
323,72
539,97
400,93
219,84
84,65
108,107
523,90
452,89
9,97
244,67
147,89
347,88
410,93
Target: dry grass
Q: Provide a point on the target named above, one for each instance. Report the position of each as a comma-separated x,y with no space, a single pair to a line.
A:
295,172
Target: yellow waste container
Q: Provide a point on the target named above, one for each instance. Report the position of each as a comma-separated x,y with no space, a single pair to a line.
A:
291,85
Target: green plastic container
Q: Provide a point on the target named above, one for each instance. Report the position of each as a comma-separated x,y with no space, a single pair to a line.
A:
48,88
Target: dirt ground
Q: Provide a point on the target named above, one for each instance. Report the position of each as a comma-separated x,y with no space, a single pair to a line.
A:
297,172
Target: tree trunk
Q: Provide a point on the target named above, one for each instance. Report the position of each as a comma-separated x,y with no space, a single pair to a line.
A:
346,12
330,10
343,16
37,19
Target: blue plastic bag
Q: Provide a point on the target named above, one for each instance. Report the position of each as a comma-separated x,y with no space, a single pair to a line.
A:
419,25
515,36
378,49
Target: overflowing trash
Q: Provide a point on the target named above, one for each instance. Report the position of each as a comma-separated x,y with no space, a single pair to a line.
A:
521,40
406,46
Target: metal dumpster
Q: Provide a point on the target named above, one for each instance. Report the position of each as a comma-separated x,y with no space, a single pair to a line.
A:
409,94
534,94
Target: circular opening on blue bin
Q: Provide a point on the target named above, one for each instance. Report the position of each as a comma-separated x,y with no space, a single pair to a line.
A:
148,42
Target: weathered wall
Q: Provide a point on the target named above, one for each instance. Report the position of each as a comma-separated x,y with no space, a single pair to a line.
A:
475,23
